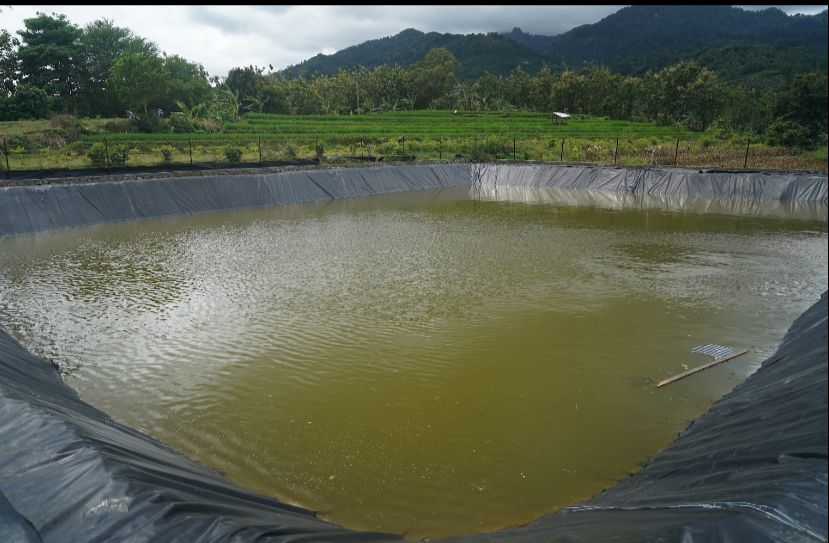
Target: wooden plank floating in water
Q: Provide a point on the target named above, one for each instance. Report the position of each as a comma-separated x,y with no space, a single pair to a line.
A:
700,368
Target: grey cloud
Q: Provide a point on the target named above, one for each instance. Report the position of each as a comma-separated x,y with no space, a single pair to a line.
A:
547,20
222,21
274,10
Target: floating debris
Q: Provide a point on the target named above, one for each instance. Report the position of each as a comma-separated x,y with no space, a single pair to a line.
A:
732,354
713,350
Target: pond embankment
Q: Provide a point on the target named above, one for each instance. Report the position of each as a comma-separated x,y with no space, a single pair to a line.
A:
43,207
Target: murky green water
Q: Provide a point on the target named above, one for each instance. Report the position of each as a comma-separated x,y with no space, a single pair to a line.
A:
431,363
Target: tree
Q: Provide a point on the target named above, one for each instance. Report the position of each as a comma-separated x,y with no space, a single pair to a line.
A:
27,102
8,62
301,99
186,82
685,92
49,56
245,83
139,80
489,90
601,88
275,97
101,43
568,92
518,88
325,91
542,89
805,102
464,97
224,107
433,76
384,87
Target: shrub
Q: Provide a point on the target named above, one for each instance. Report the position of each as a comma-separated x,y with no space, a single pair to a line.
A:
386,148
22,141
118,125
233,154
118,157
68,127
97,155
167,153
789,134
487,150
290,152
180,123
27,102
149,123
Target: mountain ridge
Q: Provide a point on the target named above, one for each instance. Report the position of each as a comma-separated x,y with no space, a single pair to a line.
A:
630,41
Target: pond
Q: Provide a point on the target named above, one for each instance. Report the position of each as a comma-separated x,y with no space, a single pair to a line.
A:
432,363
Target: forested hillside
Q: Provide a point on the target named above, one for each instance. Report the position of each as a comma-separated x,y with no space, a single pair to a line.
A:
477,53
761,48
625,40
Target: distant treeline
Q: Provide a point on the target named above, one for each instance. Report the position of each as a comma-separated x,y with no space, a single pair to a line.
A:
102,70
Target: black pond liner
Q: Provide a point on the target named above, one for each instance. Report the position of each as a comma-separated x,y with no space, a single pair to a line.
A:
29,177
752,468
43,207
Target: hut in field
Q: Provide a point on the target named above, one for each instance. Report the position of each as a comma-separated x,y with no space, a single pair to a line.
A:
558,117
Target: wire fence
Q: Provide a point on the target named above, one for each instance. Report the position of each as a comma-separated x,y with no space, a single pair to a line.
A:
124,155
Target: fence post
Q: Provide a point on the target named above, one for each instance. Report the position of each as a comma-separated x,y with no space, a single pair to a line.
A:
513,148
260,152
190,146
616,152
561,156
106,151
440,147
676,152
6,152
745,162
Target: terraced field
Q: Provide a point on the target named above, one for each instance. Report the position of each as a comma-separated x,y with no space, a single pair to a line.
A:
416,125
424,135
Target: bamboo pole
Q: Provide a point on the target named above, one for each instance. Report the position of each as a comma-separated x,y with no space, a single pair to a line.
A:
676,152
6,153
745,162
700,368
106,152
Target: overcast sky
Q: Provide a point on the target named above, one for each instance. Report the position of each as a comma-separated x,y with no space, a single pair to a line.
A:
222,37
